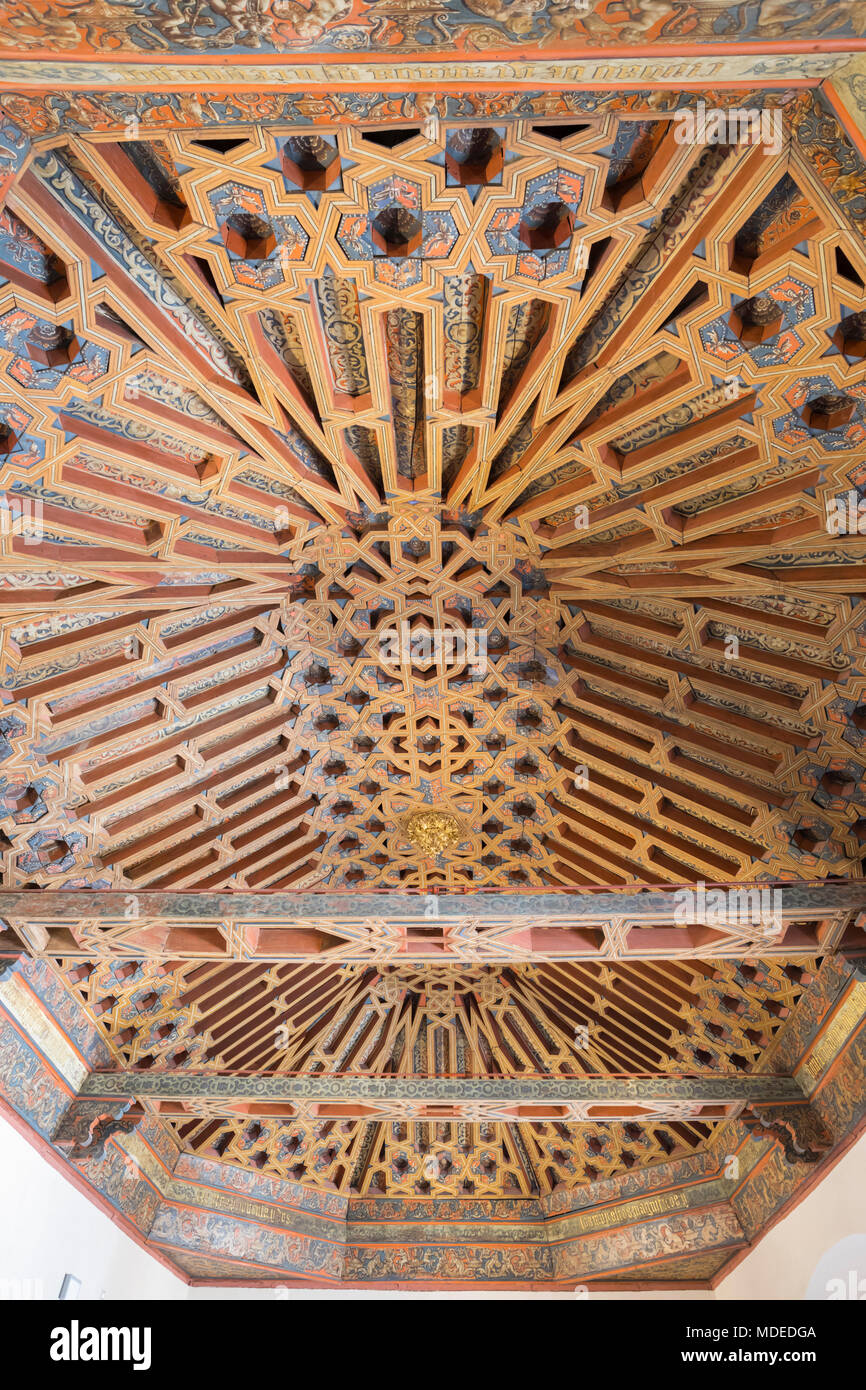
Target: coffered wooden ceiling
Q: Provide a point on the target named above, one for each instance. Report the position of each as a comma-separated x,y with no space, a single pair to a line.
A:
456,1021
553,379
261,435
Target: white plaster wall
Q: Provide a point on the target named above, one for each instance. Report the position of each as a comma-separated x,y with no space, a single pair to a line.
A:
48,1228
783,1263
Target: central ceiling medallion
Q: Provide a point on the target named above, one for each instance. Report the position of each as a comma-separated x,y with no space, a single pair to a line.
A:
440,990
433,832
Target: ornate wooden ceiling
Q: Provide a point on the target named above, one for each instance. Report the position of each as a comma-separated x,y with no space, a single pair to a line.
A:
516,377
411,1020
260,441
350,27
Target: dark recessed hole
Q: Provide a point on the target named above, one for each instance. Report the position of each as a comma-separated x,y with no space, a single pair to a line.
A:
110,321
220,146
844,267
391,136
593,260
559,132
202,269
690,300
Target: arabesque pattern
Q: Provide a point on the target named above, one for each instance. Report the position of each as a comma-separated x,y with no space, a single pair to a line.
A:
422,1020
559,404
264,437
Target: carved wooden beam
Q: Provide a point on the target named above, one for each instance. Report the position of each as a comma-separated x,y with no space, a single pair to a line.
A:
801,1132
85,1128
643,904
595,1098
631,923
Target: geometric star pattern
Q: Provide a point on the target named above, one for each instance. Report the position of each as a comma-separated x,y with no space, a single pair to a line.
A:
414,1019
254,453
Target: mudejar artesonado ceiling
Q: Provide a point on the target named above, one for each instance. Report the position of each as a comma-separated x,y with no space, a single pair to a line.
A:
433,529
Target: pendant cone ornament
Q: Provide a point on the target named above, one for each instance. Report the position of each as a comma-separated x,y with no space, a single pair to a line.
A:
433,832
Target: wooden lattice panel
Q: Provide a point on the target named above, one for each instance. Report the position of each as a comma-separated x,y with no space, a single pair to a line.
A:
272,393
701,1017
388,319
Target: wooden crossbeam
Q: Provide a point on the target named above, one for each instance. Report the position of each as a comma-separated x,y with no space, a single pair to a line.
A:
589,1098
632,923
639,902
